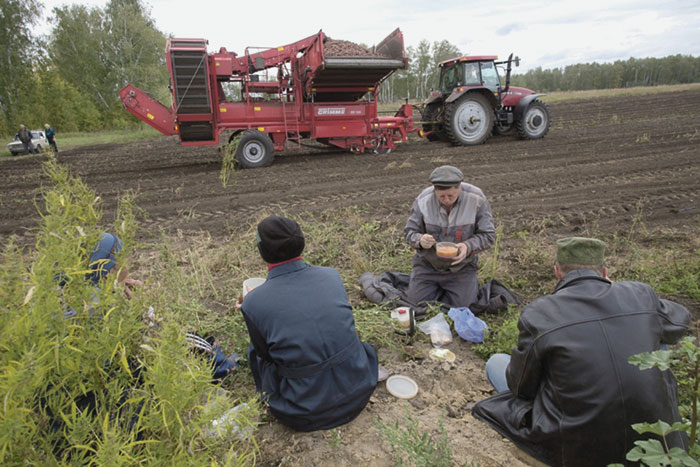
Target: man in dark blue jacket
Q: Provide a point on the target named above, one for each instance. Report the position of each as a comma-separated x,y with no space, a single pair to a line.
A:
50,137
306,358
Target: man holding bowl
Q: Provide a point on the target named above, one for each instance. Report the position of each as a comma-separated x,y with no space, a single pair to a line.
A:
449,224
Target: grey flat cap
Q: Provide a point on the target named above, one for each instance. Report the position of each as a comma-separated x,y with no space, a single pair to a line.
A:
446,176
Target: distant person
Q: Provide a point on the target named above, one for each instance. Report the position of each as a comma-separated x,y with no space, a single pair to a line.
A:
305,356
25,136
448,211
51,137
567,393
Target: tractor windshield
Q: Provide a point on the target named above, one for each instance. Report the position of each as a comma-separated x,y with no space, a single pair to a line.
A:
490,76
450,78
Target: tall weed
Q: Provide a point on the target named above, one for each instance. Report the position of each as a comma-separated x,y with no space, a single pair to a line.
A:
102,387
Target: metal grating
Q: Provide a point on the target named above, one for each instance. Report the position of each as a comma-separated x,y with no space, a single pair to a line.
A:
191,84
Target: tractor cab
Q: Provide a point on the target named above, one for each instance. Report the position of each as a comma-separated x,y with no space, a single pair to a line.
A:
467,72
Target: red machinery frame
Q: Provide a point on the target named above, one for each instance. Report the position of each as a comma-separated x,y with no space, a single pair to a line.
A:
331,99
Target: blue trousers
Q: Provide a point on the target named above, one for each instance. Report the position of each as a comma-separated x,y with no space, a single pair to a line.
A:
496,371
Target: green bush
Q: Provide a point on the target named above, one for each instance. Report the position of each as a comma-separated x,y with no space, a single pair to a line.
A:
684,363
105,386
501,336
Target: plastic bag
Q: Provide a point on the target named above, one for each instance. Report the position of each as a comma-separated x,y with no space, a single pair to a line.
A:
438,329
468,327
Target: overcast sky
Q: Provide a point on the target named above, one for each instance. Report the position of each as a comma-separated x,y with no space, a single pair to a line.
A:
549,34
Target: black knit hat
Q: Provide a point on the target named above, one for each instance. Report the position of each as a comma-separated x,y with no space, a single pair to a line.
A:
279,239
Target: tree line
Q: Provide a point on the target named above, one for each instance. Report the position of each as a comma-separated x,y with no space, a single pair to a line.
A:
70,78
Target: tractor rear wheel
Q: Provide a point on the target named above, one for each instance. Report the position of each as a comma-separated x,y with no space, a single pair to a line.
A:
431,113
535,121
469,121
255,149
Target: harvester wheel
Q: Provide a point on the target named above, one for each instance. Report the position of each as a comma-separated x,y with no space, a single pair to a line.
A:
535,121
469,120
431,113
255,149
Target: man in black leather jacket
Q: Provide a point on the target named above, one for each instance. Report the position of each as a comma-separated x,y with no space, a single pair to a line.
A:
571,394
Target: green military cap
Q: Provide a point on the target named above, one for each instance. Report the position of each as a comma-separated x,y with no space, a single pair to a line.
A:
446,176
580,250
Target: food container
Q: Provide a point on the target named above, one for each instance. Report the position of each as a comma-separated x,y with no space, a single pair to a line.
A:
446,249
250,284
402,316
440,338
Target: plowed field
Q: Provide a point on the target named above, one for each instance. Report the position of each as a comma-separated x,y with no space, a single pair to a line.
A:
605,162
602,159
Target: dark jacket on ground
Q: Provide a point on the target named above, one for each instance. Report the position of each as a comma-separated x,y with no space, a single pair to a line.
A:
573,395
305,354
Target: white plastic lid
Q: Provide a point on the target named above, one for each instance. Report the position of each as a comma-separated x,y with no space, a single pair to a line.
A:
401,386
253,282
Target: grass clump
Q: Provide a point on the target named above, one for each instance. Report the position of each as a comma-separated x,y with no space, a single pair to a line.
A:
412,446
501,336
105,386
228,163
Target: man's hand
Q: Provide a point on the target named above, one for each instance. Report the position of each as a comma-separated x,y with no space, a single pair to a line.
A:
427,241
462,251
239,302
130,284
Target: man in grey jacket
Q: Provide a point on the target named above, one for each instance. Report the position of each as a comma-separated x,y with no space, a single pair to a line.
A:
25,136
448,211
569,395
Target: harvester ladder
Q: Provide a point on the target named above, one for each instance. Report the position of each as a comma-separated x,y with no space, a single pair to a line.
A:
290,112
291,124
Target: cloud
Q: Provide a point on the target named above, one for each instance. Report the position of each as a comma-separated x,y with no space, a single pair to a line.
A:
508,28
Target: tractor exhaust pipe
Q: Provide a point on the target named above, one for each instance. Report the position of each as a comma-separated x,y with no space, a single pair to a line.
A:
509,68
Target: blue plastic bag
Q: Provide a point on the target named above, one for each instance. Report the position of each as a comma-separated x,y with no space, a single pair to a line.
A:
468,327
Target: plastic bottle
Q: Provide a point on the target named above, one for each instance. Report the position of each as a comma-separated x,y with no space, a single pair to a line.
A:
402,317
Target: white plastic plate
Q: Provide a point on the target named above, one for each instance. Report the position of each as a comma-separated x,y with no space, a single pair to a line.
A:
401,386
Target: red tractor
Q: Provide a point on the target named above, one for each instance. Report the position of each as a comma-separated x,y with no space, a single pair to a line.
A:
471,103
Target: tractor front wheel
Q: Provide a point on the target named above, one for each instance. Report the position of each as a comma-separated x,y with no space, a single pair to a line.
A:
535,121
255,149
469,120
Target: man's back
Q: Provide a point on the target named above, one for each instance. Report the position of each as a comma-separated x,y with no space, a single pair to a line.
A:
571,370
321,374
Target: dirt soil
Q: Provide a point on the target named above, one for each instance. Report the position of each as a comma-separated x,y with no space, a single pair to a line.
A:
604,161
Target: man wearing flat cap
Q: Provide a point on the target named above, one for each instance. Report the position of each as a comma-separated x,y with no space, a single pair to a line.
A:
567,394
448,211
306,358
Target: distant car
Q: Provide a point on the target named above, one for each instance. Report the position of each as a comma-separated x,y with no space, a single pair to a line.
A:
38,140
